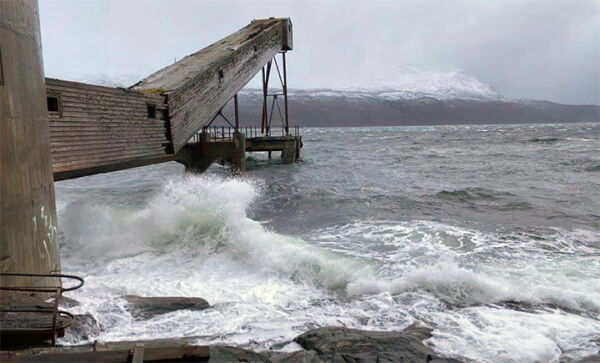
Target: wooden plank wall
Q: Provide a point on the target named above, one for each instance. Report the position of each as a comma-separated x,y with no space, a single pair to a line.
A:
101,126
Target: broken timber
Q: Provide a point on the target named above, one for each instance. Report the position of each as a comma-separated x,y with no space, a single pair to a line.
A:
171,350
96,129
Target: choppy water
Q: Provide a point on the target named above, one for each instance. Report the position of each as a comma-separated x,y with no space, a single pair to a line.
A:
488,234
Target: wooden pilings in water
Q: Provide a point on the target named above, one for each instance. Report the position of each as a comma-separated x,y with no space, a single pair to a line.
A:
199,155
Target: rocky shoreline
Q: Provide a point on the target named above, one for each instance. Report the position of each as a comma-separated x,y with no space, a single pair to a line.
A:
325,344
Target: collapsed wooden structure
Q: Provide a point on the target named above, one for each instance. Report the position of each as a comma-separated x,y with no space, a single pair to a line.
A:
81,129
95,129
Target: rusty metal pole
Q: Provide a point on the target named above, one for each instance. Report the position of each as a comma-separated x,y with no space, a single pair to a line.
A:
28,232
285,95
237,114
264,111
265,127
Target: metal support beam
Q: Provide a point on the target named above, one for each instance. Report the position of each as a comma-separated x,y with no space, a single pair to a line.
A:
285,95
266,72
237,113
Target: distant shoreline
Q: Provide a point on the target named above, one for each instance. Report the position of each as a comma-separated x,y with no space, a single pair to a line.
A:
458,124
335,111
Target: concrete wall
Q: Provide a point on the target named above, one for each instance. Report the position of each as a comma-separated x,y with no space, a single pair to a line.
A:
97,127
28,231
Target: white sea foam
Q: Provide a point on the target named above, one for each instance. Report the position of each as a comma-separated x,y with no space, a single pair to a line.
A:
193,238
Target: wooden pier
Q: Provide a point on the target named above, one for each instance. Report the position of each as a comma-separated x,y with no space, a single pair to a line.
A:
96,129
229,145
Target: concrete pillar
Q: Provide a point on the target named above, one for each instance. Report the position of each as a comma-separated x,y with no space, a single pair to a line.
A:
298,147
28,232
288,154
238,158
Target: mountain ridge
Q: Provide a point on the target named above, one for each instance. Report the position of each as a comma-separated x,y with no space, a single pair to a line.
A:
441,99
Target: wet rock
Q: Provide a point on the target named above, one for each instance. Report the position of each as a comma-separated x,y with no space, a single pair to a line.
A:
338,344
590,359
301,356
67,302
147,307
221,353
84,327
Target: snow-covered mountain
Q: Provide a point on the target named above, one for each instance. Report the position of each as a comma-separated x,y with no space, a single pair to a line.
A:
408,85
457,85
438,85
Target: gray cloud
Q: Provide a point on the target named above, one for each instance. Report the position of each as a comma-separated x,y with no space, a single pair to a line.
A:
524,49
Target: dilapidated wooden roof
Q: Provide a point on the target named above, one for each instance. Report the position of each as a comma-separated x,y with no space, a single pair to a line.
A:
199,85
176,75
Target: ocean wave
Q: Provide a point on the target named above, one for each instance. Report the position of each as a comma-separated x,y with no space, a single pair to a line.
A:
486,198
206,218
593,168
544,140
473,194
194,238
465,267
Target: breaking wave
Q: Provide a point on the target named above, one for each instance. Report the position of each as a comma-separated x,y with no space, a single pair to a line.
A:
194,238
205,218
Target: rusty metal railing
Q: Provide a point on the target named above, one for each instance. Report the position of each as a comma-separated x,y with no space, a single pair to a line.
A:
250,132
56,313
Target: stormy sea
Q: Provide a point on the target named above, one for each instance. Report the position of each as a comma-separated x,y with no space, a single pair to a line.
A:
489,235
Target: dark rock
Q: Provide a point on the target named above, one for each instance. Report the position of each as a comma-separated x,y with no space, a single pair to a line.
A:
67,302
221,353
301,356
84,327
338,344
590,359
148,307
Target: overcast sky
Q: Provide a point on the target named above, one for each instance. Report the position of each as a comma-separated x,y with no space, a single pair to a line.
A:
523,49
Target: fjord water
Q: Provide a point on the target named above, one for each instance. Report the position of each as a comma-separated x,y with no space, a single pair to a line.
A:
490,235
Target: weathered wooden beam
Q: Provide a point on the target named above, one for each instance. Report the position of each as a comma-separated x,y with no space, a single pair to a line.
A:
199,85
107,166
172,350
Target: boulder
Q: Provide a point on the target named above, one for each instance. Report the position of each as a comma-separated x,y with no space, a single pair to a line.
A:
84,327
67,302
339,344
223,354
301,356
595,358
147,307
